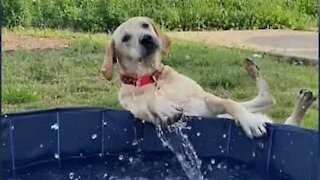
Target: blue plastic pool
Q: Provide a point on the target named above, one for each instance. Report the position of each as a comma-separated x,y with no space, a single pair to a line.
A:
96,143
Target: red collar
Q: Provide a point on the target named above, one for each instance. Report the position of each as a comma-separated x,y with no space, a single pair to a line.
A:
143,79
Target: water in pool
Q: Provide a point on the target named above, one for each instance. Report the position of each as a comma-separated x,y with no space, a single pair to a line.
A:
182,164
139,166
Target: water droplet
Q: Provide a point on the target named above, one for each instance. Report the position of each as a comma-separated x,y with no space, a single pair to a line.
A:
125,130
71,175
198,133
261,145
213,161
311,152
56,156
280,170
180,157
130,159
219,166
253,154
274,156
104,123
5,116
135,142
222,151
12,127
41,145
166,164
224,135
220,147
120,157
4,144
100,154
94,136
291,142
55,126
199,118
105,175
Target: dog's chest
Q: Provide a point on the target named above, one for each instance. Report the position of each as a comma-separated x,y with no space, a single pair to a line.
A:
191,102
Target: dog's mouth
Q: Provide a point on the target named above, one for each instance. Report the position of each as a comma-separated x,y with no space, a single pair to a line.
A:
147,54
149,45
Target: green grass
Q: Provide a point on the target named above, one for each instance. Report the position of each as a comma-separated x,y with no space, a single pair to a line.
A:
105,15
71,77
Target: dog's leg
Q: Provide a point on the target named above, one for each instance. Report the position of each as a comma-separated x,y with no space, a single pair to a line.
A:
264,98
305,99
251,124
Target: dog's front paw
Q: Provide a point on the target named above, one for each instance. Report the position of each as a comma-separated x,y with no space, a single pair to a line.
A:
168,112
254,126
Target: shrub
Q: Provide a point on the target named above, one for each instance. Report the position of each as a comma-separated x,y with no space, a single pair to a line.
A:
105,15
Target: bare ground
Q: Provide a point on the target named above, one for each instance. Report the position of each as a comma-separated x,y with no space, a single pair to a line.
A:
288,43
12,41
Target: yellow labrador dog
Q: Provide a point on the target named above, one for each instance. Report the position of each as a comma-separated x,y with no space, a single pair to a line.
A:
157,93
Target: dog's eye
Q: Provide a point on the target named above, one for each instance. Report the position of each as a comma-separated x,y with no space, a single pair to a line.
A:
126,38
145,25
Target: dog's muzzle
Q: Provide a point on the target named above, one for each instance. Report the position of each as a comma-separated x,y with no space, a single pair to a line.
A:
149,43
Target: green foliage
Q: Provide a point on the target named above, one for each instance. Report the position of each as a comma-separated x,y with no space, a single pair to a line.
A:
105,15
15,13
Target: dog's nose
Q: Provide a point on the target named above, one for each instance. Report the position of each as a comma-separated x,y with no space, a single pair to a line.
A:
147,41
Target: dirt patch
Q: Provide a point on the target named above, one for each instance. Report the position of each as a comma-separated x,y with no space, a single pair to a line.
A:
13,41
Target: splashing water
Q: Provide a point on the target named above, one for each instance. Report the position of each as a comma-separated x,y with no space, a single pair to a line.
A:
180,145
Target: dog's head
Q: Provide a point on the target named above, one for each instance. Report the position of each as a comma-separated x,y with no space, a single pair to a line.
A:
136,47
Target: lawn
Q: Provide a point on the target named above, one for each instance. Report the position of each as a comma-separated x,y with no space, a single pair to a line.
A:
71,76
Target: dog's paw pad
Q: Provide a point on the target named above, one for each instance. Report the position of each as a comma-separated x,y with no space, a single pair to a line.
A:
306,98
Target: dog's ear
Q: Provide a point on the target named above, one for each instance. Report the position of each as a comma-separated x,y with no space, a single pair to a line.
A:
165,40
109,60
